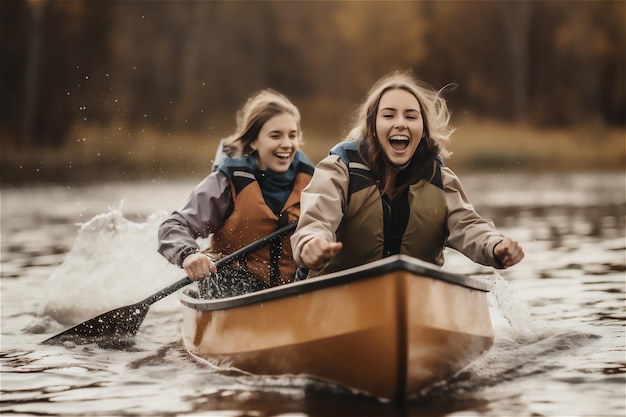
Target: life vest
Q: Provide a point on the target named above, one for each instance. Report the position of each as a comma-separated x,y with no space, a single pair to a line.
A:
362,228
252,220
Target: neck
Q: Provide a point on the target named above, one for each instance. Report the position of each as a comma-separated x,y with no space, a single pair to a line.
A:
401,167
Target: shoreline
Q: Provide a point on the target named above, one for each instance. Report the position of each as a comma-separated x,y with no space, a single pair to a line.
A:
98,156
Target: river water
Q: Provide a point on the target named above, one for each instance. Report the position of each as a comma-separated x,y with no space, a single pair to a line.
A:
69,253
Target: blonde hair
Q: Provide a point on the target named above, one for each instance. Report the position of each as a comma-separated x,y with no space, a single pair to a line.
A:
435,114
433,106
250,118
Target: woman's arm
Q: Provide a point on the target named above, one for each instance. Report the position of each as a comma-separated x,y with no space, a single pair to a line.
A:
209,204
322,205
469,233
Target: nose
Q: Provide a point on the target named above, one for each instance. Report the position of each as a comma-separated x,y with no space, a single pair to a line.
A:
400,123
286,142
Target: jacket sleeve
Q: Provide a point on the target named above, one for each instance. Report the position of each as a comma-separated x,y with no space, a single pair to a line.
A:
322,204
470,234
208,207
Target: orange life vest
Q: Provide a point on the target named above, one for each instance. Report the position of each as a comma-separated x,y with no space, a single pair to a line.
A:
252,219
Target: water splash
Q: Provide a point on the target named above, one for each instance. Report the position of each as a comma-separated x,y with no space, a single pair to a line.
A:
513,309
114,262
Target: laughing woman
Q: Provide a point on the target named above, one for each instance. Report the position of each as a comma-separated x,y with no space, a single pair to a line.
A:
255,191
385,190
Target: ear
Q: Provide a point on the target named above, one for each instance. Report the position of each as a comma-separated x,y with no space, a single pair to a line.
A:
253,146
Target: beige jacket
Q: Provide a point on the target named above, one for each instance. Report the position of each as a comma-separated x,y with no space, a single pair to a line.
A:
324,202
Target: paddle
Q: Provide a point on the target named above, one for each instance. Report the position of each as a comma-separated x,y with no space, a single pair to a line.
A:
125,321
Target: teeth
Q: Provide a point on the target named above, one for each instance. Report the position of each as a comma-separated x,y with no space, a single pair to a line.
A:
283,154
399,138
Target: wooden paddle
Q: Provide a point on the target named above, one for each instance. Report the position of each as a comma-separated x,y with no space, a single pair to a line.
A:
124,322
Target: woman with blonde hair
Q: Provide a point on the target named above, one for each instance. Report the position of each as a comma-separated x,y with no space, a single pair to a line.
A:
385,190
253,192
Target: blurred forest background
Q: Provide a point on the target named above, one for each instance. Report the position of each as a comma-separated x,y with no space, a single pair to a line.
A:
134,90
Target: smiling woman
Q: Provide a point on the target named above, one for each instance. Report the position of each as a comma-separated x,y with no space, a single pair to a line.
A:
252,193
399,127
277,143
389,187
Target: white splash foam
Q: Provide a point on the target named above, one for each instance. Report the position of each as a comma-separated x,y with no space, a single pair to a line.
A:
114,262
514,309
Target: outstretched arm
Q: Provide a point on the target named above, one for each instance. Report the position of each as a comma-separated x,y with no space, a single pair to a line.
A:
508,252
473,235
321,210
317,251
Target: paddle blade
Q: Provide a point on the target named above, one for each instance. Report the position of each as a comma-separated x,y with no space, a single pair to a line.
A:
113,327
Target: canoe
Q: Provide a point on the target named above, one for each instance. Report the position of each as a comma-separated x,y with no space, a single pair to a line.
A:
390,328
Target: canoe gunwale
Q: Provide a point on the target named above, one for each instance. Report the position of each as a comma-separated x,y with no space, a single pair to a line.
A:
370,270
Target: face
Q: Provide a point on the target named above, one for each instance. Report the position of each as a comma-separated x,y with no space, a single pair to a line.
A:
277,143
399,125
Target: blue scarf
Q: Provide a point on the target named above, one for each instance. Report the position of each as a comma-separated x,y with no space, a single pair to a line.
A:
277,186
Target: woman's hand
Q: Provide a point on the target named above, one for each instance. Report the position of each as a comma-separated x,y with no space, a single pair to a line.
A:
318,251
198,266
508,252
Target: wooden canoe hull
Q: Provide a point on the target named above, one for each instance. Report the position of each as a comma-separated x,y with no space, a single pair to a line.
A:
383,328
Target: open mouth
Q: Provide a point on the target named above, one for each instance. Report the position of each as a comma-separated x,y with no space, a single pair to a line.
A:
399,143
283,155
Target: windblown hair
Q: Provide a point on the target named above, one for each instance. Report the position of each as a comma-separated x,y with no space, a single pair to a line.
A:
435,114
251,117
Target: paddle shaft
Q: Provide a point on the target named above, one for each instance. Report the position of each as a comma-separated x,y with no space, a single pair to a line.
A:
241,253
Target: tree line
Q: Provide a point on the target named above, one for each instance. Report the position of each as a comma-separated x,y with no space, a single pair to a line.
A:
173,65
